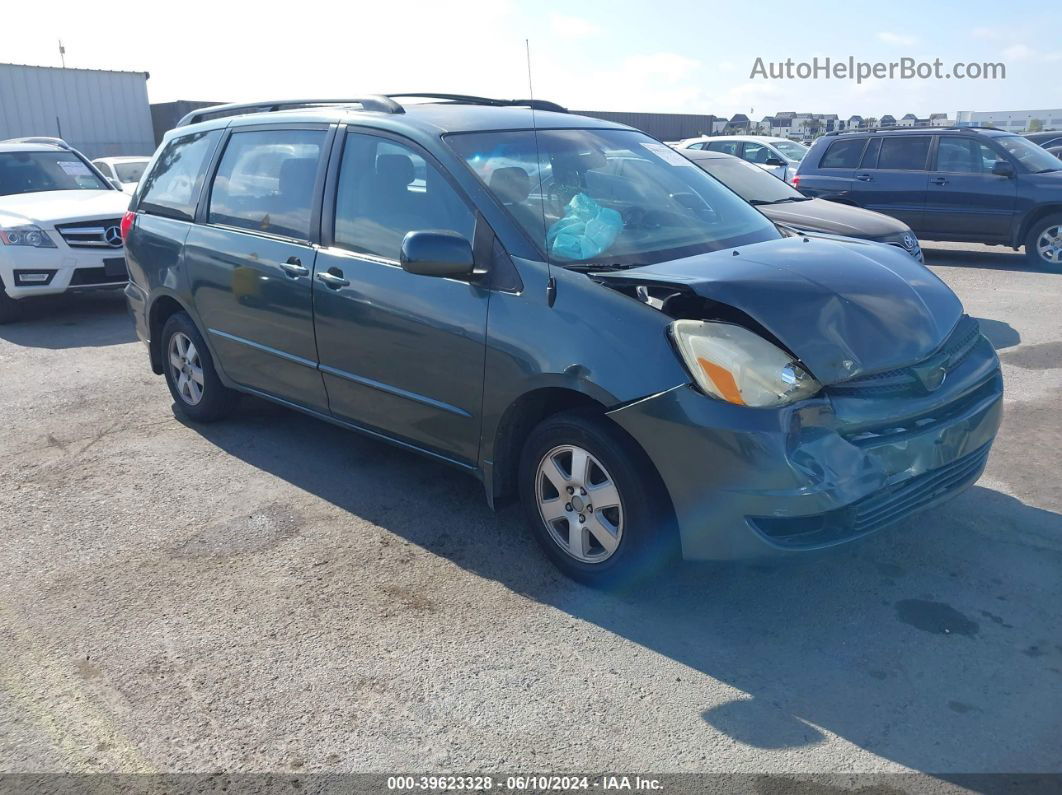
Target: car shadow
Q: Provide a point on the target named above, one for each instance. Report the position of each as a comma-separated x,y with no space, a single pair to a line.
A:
1000,333
1000,258
914,644
85,320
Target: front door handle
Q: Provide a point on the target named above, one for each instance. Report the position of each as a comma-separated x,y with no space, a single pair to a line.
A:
294,268
333,278
864,177
938,180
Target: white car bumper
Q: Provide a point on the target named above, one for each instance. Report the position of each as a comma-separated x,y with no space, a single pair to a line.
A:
28,271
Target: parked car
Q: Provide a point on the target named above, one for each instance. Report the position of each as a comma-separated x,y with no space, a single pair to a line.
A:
784,204
1048,140
967,184
1056,151
59,224
639,355
122,172
778,156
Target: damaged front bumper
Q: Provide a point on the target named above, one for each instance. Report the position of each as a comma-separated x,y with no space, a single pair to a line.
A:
749,483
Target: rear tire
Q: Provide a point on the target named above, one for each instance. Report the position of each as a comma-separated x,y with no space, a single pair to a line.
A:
1043,245
571,460
10,309
198,393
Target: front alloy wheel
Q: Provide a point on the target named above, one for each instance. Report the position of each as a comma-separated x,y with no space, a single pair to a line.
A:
1049,245
186,369
579,503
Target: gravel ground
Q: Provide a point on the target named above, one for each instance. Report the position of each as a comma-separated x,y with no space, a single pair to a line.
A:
273,594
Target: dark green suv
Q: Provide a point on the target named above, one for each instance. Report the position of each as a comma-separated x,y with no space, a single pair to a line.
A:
966,184
568,310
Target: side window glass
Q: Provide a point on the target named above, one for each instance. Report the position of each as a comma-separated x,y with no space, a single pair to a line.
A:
727,147
385,191
870,156
959,155
904,153
843,154
756,153
265,181
986,156
173,185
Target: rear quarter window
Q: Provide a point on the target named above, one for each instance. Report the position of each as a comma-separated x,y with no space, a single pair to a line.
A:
843,154
172,188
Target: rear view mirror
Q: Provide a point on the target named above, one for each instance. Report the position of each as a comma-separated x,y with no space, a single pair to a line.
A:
774,161
437,253
1002,168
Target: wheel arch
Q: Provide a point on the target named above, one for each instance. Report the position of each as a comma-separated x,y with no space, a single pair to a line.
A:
1034,216
162,308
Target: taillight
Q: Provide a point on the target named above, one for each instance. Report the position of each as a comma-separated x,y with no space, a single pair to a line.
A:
796,181
127,224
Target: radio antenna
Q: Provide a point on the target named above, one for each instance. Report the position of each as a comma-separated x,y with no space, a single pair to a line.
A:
551,283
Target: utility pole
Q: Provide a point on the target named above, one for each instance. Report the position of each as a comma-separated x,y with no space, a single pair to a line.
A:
62,53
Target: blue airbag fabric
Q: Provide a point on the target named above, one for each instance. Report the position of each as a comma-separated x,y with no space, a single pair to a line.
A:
586,230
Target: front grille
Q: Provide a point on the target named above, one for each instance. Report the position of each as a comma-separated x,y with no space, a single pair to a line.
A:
89,276
91,234
884,507
912,379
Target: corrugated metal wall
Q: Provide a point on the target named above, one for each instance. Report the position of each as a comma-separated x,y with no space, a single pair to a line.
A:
664,126
99,113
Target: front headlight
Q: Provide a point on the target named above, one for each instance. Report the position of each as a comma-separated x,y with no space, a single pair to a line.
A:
32,236
733,364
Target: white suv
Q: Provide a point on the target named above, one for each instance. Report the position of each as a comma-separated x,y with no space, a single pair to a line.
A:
779,156
59,224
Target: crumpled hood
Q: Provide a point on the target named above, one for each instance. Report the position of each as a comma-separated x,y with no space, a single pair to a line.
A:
843,307
56,206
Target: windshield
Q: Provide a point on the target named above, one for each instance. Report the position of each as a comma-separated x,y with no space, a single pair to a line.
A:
1032,156
35,172
791,149
610,197
750,182
131,171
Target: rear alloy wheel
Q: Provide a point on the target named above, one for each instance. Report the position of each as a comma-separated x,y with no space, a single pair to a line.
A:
1043,246
593,500
198,393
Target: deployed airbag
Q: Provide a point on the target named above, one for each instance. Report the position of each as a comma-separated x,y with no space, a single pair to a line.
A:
586,230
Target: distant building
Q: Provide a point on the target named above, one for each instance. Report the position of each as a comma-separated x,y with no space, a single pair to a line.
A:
887,121
1010,120
165,115
100,113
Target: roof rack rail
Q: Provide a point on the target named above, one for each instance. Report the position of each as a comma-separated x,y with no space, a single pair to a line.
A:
903,128
468,99
372,102
38,139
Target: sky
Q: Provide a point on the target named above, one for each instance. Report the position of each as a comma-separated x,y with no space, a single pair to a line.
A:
677,57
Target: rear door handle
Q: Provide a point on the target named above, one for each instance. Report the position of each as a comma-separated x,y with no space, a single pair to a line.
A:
294,268
333,280
938,180
864,177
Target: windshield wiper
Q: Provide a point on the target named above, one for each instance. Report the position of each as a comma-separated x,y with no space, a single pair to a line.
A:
597,267
761,202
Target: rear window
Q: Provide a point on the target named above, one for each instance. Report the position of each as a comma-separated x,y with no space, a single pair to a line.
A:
172,187
904,153
265,181
843,154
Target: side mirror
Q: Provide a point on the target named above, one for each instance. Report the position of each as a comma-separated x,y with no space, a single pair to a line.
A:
774,161
1002,168
437,252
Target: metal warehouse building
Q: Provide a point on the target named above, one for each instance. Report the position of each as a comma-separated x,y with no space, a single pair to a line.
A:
98,112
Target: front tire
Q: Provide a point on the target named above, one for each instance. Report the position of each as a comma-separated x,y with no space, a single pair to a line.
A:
1043,245
10,309
594,502
198,393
